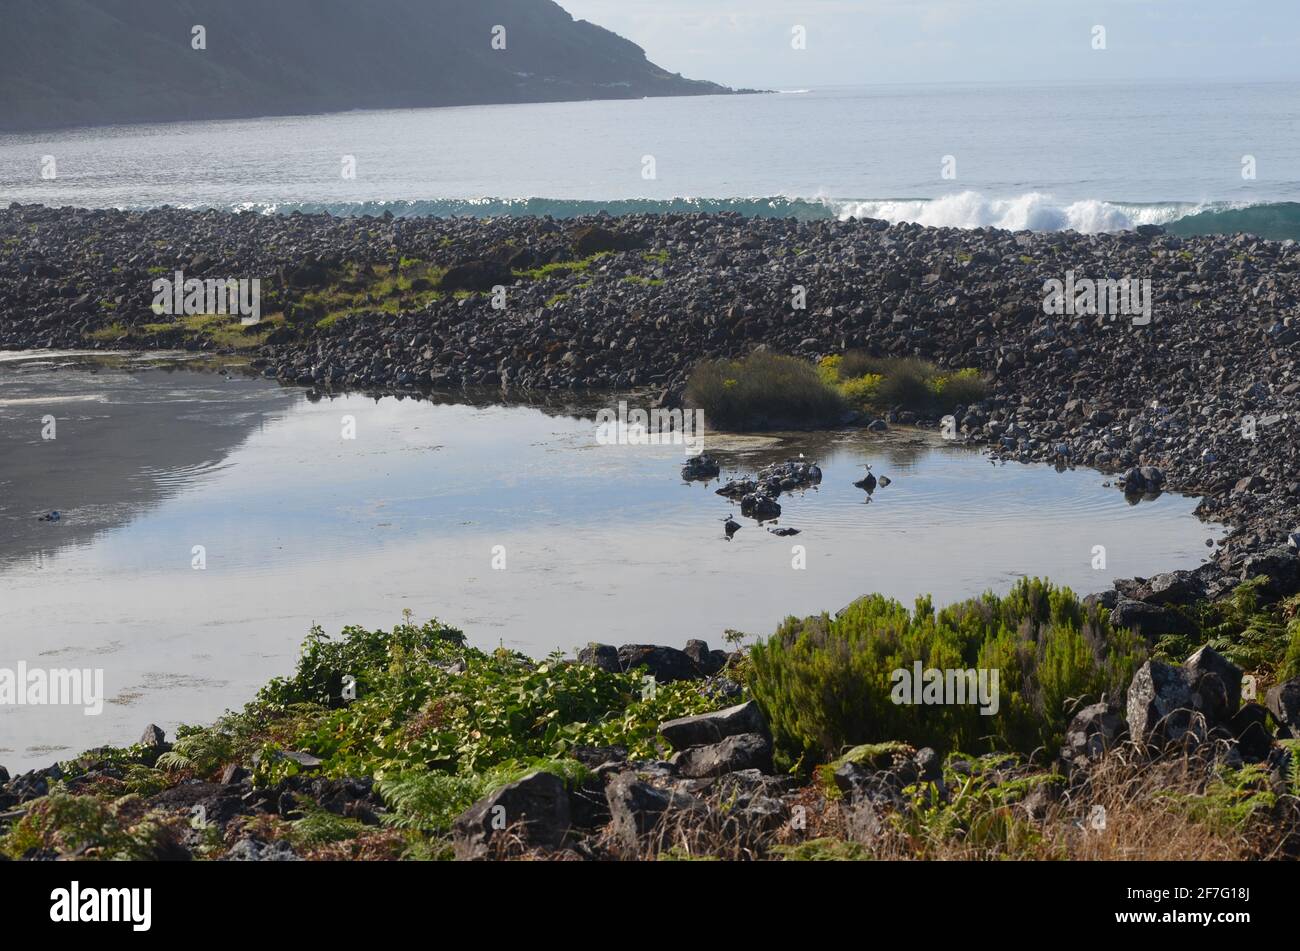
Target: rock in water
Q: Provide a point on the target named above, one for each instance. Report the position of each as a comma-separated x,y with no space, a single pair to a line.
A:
700,468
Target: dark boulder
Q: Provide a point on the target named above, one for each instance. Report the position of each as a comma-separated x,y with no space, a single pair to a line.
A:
1280,566
1150,620
665,664
1283,701
205,802
1250,727
709,662
595,239
588,808
604,656
1216,684
745,751
705,728
700,468
596,756
636,808
535,807
477,276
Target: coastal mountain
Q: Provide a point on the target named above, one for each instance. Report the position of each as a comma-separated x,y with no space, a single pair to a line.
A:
95,62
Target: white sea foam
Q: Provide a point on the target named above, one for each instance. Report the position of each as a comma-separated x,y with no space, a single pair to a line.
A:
1032,211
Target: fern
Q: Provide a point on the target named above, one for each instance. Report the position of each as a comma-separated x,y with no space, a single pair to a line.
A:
428,801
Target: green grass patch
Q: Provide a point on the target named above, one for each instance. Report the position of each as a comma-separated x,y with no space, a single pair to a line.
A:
556,268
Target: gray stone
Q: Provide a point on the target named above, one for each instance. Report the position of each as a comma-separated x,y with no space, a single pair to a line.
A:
153,737
1174,587
535,807
251,850
1159,702
745,751
1283,701
705,728
636,808
603,656
1216,683
1093,731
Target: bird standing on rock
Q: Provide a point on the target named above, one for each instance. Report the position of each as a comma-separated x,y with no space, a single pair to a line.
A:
730,526
868,483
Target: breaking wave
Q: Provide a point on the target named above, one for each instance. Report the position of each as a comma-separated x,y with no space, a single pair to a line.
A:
1032,211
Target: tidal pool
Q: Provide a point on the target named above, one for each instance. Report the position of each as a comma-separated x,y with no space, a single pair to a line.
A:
158,467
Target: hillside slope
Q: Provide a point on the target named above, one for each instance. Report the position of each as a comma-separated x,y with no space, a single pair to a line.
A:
91,62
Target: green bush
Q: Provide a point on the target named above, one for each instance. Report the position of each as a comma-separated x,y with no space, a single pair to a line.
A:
762,391
884,383
825,684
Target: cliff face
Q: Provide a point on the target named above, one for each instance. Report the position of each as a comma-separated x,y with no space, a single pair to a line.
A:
92,62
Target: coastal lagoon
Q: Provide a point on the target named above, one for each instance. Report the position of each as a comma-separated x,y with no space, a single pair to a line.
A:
506,517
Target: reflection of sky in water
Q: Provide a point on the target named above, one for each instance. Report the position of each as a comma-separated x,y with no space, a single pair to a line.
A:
602,543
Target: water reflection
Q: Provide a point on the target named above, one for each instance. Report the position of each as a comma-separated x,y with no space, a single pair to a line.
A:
300,525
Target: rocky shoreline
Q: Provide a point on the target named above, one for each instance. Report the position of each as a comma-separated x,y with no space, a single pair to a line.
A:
1202,393
1199,400
712,790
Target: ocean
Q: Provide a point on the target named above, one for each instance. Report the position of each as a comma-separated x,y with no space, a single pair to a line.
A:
1204,158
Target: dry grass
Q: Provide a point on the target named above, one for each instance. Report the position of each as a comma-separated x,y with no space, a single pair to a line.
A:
1176,807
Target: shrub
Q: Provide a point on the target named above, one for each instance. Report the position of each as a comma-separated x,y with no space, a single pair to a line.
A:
905,384
825,683
961,389
763,391
901,382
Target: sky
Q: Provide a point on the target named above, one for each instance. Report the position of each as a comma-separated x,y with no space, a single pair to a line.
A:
749,42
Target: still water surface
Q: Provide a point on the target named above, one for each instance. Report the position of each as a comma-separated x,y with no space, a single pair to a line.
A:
301,526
